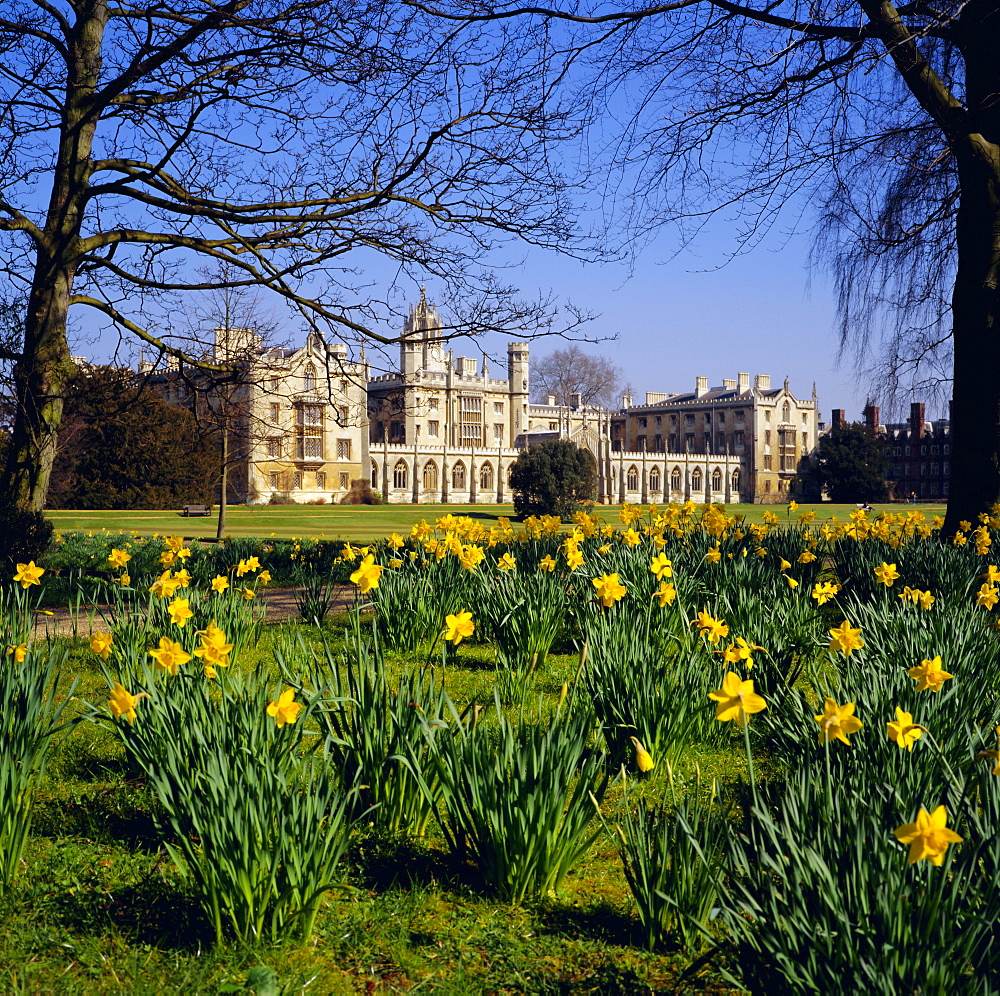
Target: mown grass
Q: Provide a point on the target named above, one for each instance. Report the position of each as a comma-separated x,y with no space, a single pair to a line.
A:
358,523
101,909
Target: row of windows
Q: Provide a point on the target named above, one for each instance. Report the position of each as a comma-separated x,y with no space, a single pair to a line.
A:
429,476
280,482
946,449
677,480
307,447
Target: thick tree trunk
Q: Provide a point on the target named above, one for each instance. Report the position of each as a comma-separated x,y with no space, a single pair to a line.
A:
41,378
975,416
975,420
45,367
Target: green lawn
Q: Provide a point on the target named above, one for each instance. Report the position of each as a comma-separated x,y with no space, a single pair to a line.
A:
361,522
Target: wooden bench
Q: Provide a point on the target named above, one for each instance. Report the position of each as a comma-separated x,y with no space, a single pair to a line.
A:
190,510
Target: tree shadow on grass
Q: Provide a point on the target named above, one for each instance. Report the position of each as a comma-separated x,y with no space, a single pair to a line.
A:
600,922
154,913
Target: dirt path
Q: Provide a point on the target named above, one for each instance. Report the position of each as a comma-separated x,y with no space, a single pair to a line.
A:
281,605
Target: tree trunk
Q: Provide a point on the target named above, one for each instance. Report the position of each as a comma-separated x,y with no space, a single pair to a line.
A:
45,367
975,417
220,532
41,378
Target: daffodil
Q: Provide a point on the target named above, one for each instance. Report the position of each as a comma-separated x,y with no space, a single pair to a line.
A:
837,722
904,732
886,574
395,542
987,596
930,674
165,586
823,591
713,555
928,836
284,709
631,538
123,704
366,577
666,593
264,577
574,558
506,563
220,583
458,626
169,655
101,643
547,564
119,558
19,651
180,612
248,594
709,627
609,589
845,639
736,700
643,761
125,580
28,574
806,557
213,649
740,652
792,583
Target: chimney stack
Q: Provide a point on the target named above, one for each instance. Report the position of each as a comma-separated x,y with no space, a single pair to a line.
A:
700,386
917,420
872,416
837,419
743,382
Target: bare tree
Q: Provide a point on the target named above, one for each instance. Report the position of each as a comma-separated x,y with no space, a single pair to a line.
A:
885,118
241,328
294,140
567,373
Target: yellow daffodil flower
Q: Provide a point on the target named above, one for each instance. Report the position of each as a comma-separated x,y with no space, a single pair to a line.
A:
28,574
506,563
666,593
792,583
101,643
709,627
987,596
123,704
845,639
169,655
366,577
609,589
284,709
395,542
740,652
220,583
547,564
837,722
904,732
125,580
736,700
930,674
249,593
713,555
806,557
458,626
119,558
643,761
928,836
886,574
180,612
19,651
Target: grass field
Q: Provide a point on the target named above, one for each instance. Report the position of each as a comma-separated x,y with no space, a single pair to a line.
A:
360,523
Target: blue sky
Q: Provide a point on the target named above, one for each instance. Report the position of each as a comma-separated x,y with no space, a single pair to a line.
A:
680,316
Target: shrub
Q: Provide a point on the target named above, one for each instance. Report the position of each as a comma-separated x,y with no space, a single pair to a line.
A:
24,534
361,494
553,478
277,498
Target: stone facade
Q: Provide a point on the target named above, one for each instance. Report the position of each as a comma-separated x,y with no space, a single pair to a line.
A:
295,417
770,433
443,429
